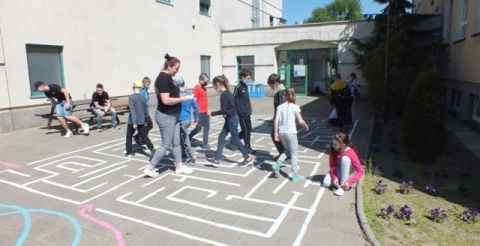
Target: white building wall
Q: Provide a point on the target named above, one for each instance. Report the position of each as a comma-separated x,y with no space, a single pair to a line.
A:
114,42
109,42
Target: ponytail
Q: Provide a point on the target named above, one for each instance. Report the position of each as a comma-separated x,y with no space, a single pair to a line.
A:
170,61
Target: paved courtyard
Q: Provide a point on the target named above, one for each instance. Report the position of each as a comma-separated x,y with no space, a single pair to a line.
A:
83,191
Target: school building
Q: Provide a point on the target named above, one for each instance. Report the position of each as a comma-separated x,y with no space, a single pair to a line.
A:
461,31
78,44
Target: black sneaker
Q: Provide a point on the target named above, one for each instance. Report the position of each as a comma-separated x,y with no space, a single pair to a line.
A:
212,162
246,162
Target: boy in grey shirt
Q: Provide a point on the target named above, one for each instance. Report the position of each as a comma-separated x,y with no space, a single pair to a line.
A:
137,119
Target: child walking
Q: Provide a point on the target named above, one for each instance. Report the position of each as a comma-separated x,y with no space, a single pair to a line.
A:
185,121
275,84
227,109
144,91
137,119
342,155
286,131
200,93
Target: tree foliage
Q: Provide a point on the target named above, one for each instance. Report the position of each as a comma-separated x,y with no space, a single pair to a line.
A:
410,50
423,131
337,10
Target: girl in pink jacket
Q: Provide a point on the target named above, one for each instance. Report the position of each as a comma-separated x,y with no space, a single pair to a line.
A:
342,156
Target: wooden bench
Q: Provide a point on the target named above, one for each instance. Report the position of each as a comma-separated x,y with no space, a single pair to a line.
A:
82,110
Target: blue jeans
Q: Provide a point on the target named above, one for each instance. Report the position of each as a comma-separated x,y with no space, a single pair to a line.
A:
61,110
230,126
113,115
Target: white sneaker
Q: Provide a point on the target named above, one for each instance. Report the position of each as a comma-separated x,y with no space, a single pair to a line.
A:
86,128
69,134
184,169
151,173
339,192
99,130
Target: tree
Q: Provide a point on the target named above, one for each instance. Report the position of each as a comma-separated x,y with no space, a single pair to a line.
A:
423,131
410,50
338,10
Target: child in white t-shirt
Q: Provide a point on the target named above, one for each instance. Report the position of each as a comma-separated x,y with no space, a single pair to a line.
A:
286,131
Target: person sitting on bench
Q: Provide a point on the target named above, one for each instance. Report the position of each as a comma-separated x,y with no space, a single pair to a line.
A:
62,101
101,105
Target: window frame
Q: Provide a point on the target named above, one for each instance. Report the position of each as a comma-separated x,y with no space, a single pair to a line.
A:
463,19
476,107
456,99
240,65
208,65
168,2
477,17
206,5
59,49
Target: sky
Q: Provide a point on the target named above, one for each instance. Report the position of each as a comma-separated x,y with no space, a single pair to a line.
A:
299,10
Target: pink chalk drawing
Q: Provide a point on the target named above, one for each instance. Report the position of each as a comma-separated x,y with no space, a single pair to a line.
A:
9,165
87,208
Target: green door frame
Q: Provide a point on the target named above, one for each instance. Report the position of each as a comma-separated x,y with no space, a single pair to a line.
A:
289,68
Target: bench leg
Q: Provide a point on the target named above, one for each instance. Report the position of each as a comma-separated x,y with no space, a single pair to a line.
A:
50,118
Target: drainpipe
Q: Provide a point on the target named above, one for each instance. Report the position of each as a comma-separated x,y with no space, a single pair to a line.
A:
6,79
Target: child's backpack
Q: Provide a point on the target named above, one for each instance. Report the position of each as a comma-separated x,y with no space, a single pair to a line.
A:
343,94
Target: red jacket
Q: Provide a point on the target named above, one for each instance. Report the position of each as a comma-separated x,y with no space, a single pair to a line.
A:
200,94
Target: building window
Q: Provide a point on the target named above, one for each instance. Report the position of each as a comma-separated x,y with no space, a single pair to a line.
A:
165,1
477,18
205,65
463,21
455,99
476,109
246,62
205,7
44,64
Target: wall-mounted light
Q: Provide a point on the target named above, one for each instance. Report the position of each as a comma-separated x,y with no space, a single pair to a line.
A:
193,23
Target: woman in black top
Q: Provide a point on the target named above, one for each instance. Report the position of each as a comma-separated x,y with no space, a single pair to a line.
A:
227,109
166,116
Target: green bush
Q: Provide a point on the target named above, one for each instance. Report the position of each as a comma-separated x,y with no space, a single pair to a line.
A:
423,131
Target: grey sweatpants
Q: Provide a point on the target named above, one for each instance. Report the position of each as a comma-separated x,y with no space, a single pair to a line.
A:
290,147
343,171
170,133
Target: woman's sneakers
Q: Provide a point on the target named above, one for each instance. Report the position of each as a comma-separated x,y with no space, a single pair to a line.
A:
297,178
151,173
184,169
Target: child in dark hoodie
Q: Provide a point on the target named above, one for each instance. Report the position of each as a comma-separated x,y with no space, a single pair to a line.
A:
244,109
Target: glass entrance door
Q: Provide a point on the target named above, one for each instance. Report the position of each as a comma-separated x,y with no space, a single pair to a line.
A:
298,71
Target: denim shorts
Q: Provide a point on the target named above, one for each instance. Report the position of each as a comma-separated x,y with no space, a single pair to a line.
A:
62,111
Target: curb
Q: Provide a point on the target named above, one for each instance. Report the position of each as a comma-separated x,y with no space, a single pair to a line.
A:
362,219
